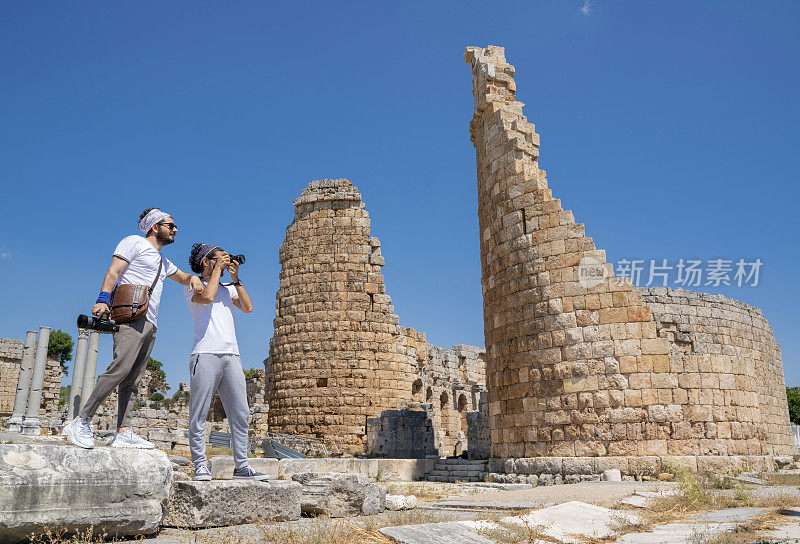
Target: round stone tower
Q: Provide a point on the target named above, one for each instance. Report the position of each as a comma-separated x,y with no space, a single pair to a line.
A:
335,358
580,363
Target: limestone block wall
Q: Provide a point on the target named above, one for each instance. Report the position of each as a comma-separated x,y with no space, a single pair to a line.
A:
339,356
334,359
10,359
51,387
575,363
10,362
403,434
728,370
172,418
451,381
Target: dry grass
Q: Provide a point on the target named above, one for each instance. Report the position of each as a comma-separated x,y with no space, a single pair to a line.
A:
54,535
342,531
622,525
516,533
743,533
698,493
423,492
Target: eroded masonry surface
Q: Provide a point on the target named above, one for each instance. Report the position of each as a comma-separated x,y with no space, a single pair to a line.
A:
607,369
339,355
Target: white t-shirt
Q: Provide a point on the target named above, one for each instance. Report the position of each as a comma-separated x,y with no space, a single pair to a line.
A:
215,323
143,259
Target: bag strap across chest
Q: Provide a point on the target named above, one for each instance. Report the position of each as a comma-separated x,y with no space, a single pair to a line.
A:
158,275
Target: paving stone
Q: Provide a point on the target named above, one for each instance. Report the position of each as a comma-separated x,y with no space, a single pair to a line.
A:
574,521
695,528
450,532
231,502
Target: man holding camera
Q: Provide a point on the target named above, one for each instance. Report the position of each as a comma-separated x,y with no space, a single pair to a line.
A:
137,260
214,365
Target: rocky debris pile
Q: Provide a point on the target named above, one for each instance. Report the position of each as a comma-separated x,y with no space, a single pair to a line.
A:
182,468
219,503
77,489
340,495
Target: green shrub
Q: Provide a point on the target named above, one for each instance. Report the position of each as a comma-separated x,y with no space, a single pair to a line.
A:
59,347
793,398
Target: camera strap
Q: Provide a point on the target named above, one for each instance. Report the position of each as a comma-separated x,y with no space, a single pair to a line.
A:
158,275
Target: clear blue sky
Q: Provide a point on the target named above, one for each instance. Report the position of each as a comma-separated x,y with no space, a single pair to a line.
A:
667,128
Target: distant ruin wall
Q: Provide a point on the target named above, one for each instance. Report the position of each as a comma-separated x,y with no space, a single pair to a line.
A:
10,362
576,363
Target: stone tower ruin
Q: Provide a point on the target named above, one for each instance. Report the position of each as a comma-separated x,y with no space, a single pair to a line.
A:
333,357
599,367
339,355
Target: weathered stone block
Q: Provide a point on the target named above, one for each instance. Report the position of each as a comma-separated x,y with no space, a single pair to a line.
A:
340,495
117,491
218,503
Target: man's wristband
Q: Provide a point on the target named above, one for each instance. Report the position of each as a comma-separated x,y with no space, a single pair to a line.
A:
104,297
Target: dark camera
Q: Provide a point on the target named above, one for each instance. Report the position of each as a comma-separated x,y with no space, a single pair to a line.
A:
238,258
99,324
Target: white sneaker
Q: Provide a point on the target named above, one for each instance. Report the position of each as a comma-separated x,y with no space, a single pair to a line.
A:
202,474
79,432
130,439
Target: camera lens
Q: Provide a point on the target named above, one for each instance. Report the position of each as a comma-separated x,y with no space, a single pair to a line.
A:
85,322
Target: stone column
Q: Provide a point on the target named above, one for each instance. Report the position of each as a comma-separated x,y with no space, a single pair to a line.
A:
91,366
77,375
31,424
23,384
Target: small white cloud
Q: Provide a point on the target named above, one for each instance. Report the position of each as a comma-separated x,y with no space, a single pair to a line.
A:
5,254
587,8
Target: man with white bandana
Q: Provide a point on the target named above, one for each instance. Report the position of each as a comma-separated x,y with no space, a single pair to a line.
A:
136,261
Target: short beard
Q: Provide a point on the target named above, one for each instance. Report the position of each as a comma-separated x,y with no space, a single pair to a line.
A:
163,239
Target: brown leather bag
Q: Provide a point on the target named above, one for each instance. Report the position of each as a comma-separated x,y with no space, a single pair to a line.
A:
130,302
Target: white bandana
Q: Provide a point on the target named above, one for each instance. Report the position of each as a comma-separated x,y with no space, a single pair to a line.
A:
153,216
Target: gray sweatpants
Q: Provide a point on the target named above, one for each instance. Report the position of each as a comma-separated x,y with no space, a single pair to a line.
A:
222,372
133,343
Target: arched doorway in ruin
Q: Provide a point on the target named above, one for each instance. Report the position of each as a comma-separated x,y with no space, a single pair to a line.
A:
416,389
463,405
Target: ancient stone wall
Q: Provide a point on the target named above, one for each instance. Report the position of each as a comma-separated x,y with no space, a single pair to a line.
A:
728,371
576,365
10,359
451,381
165,422
10,362
403,434
339,355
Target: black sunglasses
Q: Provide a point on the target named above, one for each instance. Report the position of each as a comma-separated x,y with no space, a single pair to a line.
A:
170,225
